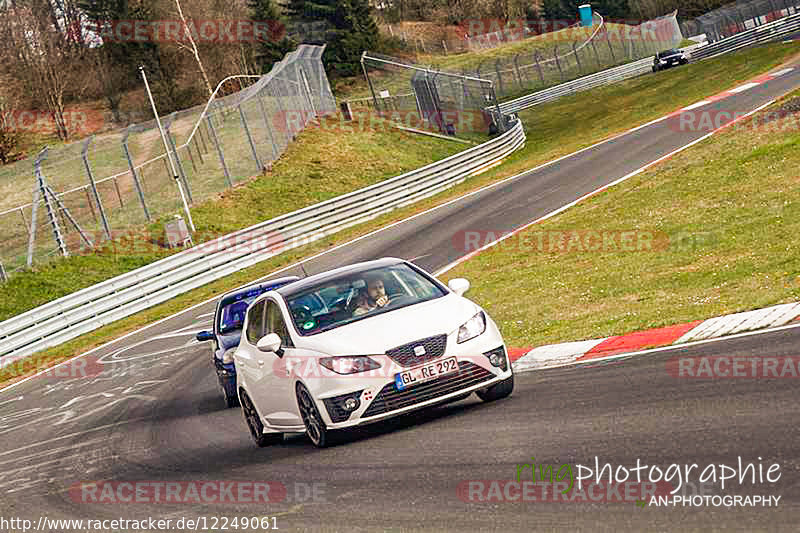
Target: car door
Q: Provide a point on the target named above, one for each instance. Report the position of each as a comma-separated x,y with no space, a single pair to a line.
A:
248,369
278,391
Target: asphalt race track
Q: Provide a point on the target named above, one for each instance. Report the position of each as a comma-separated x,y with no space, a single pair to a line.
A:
150,409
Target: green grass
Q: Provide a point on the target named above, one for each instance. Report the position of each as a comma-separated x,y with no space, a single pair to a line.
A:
725,217
553,130
322,164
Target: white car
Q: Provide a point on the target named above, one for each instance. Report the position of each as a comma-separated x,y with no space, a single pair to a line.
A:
361,344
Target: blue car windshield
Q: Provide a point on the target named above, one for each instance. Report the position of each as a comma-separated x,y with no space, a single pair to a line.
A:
231,316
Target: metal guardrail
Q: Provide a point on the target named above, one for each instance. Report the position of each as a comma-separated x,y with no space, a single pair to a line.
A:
758,35
88,309
604,77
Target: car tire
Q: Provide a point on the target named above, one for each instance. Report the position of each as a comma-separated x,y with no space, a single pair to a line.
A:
231,400
498,391
316,430
256,427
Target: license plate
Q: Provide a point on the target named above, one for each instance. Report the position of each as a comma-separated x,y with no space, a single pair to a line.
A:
424,373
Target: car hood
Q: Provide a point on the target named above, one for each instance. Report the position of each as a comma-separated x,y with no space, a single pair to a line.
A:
376,334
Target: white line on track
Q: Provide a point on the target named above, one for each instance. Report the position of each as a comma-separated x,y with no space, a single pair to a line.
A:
604,187
695,106
743,88
379,230
781,72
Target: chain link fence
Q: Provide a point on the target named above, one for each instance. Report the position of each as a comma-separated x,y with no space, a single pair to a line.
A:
433,101
737,17
89,191
517,74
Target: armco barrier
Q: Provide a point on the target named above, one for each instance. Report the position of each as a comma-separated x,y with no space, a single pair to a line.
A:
761,34
772,31
88,309
598,79
604,77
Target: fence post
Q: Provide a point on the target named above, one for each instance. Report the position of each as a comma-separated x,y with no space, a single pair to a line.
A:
3,275
259,166
558,63
577,58
264,115
134,175
538,66
596,55
41,190
93,185
518,71
499,77
610,48
181,174
212,132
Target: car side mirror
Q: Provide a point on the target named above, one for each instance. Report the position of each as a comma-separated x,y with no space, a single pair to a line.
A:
458,285
270,342
203,336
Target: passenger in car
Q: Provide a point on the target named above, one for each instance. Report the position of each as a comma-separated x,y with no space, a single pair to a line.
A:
362,303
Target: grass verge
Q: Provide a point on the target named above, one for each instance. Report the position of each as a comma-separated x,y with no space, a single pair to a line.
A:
321,164
552,132
715,230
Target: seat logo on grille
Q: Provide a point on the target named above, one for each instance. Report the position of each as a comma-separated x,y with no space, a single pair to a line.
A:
419,350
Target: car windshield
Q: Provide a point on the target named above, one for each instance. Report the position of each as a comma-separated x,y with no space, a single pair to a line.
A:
666,53
355,296
231,316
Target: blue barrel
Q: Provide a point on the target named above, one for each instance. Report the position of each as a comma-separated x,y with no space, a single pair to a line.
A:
586,14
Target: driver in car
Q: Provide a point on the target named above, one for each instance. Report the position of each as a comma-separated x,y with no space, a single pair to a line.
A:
377,292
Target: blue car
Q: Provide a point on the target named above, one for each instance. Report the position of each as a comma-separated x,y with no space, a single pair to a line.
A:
227,331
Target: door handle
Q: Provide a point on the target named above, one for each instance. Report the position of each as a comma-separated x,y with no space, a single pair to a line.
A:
260,362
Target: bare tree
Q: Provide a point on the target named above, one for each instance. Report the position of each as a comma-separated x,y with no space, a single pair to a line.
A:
38,55
192,46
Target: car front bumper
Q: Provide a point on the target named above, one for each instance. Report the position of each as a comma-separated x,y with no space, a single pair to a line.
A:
382,400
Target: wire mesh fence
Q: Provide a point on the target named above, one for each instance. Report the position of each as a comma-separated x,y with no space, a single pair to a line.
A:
435,101
737,17
89,191
558,60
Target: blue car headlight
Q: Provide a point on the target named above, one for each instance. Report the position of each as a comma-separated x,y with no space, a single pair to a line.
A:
472,328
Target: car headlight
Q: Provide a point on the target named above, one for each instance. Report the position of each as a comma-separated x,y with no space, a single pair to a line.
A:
349,364
472,328
227,357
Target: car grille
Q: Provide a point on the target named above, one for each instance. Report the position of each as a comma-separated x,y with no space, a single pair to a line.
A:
391,399
404,355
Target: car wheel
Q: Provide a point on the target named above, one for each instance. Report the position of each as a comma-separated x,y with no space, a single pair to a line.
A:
498,391
315,427
256,427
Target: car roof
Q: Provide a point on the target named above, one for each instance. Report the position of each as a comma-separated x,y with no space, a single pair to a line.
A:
262,287
311,281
